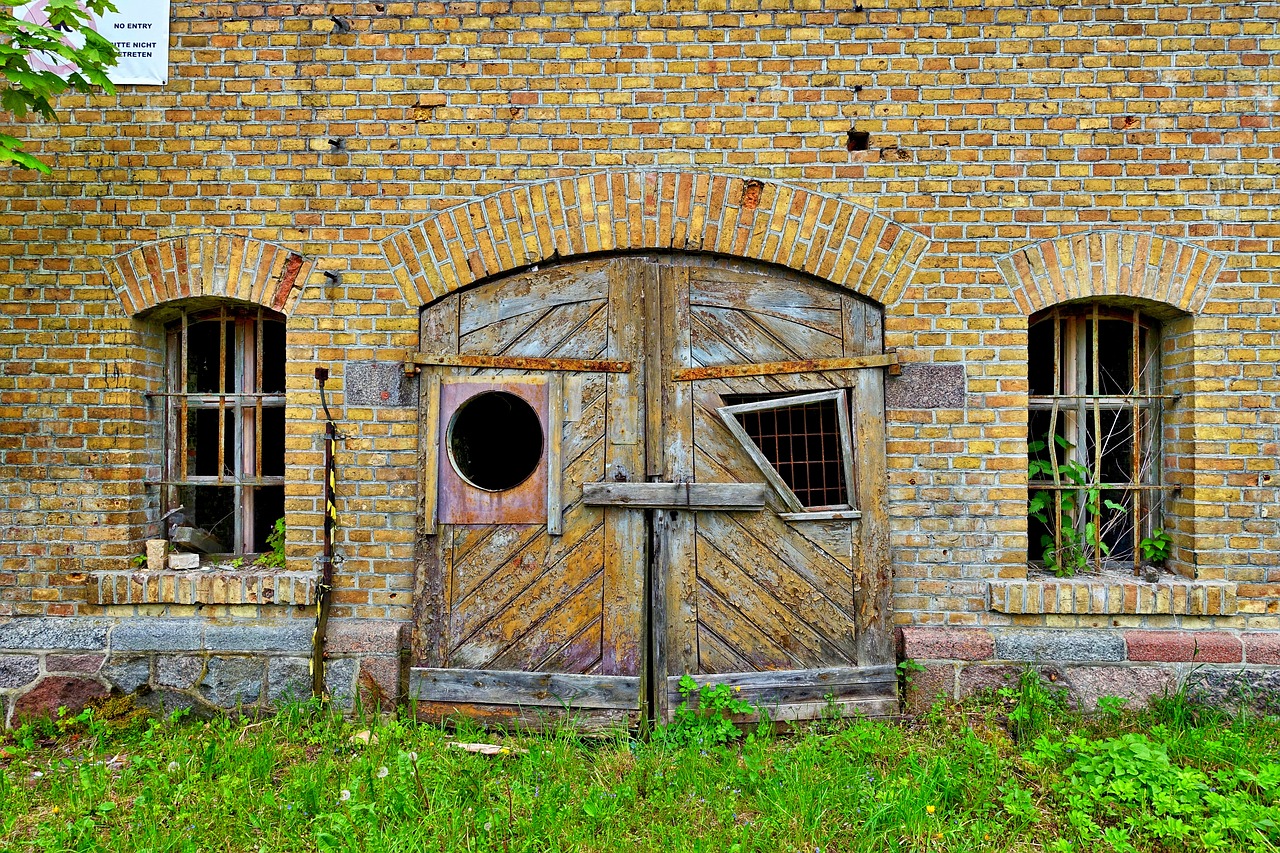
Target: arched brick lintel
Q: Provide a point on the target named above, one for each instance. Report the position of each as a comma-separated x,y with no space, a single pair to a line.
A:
1111,263
635,211
208,265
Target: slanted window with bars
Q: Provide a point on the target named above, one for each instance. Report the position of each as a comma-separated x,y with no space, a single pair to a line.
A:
1094,436
224,407
801,443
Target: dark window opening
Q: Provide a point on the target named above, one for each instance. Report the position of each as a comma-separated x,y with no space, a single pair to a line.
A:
802,442
1093,436
495,441
224,423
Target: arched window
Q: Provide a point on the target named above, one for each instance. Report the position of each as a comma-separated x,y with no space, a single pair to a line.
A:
224,424
1094,436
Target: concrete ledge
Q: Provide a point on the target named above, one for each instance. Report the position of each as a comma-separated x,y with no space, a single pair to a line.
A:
1113,595
251,586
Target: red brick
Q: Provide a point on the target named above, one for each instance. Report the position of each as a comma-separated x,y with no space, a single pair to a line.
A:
1184,646
948,644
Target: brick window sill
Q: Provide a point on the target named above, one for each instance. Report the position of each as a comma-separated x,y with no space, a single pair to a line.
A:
197,586
1113,595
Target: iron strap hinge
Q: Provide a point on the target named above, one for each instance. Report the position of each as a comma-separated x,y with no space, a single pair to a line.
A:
774,368
417,360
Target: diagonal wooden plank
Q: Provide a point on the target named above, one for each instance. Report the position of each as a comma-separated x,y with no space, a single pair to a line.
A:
715,655
543,638
736,632
816,307
577,654
532,292
764,533
504,624
770,598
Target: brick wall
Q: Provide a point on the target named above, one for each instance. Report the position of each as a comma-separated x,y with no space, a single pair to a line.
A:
325,129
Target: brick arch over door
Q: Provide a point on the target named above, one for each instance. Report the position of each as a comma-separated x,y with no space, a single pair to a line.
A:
225,266
761,220
1111,263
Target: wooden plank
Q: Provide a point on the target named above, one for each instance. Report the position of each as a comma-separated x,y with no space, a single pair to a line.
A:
769,608
788,678
601,722
487,630
673,598
429,453
526,689
555,461
438,332
811,691
551,634
626,534
872,581
533,292
773,368
575,330
501,362
687,496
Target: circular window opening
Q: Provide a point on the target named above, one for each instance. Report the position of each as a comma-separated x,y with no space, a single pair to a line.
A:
495,441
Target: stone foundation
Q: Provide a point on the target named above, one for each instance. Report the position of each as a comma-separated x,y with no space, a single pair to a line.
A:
193,663
1224,667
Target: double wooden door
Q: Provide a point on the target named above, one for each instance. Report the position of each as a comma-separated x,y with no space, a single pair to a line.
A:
666,539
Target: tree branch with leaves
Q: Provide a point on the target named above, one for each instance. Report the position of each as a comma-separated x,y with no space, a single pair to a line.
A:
47,48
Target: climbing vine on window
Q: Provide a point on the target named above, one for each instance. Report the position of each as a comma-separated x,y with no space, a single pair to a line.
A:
1094,489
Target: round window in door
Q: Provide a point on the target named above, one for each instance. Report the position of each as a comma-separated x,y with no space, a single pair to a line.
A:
495,441
492,442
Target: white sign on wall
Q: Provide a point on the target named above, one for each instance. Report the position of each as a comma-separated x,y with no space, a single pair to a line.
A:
139,30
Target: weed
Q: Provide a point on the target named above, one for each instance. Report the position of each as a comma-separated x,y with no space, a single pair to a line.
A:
274,559
704,717
1156,547
1033,705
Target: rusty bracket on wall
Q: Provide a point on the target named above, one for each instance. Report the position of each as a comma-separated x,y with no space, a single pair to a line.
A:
415,361
774,368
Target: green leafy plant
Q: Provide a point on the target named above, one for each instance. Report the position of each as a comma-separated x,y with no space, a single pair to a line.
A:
31,46
1067,554
138,561
704,717
1033,704
274,559
1156,547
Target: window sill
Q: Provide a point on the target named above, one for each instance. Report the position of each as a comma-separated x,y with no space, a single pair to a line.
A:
249,585
1113,594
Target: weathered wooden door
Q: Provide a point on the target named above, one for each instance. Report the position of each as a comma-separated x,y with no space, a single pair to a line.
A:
679,541
540,609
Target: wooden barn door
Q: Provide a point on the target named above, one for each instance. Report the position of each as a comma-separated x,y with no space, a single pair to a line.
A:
542,612
788,603
666,545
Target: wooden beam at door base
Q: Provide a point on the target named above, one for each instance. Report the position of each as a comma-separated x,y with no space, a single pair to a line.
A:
507,362
774,368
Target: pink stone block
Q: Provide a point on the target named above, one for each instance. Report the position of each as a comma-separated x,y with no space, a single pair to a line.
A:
1262,648
1184,646
948,644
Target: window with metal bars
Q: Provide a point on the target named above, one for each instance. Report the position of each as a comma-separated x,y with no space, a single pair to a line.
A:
800,442
1094,436
224,407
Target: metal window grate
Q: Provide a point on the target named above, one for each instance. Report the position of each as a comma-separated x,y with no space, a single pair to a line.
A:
1094,426
224,407
803,443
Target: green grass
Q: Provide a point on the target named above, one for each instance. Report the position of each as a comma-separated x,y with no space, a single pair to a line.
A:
949,782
